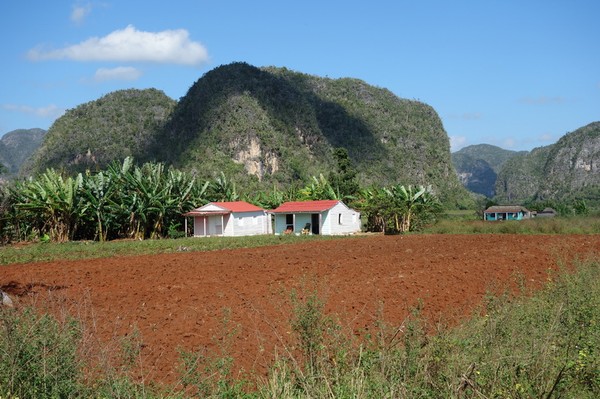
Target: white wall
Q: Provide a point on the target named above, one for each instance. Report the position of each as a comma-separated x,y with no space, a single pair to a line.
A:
248,224
235,224
341,220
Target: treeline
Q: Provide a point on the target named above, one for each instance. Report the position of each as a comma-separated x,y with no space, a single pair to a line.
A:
140,202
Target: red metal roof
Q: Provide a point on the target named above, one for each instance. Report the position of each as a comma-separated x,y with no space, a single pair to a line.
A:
238,206
228,207
305,206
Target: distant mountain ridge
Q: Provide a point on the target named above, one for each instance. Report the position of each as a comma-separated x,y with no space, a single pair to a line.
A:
564,171
17,146
478,166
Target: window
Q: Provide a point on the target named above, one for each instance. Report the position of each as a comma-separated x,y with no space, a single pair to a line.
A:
340,218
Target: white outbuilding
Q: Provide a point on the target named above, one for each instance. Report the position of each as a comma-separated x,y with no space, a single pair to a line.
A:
231,219
326,217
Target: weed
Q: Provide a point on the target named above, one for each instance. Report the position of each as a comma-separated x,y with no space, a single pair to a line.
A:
38,355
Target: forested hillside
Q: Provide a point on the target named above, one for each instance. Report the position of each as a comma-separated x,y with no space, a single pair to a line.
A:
572,170
17,146
566,171
272,125
260,127
92,135
478,166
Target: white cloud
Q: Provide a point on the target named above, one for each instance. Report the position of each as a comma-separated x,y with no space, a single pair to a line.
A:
51,111
131,45
118,73
457,142
80,12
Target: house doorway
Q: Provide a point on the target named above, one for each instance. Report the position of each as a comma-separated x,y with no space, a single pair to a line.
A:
314,220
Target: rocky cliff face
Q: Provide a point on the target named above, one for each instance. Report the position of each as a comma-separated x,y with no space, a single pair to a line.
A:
565,171
475,175
573,165
520,177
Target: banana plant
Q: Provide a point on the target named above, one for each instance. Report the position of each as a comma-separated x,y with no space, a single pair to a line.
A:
405,201
318,189
222,189
52,202
97,192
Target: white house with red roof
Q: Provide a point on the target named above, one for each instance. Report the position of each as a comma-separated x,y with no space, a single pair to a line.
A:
232,219
326,217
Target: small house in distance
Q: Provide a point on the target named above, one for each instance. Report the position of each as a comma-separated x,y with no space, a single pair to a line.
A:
326,217
506,212
232,219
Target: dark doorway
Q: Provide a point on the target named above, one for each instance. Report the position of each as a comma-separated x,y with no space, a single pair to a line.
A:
314,219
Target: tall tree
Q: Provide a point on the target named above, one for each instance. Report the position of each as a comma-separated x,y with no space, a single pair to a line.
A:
343,179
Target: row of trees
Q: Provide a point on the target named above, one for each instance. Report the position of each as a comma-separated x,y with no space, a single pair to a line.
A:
147,201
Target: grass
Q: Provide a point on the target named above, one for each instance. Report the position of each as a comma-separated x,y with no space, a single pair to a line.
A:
38,252
556,225
541,345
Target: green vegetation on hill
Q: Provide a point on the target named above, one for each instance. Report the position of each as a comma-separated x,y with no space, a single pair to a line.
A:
520,178
495,156
478,166
92,135
565,172
475,174
260,127
17,146
572,170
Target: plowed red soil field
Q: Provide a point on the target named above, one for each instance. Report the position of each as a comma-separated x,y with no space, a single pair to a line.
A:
181,300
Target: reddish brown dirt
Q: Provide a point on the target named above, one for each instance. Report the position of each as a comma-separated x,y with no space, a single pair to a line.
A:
178,300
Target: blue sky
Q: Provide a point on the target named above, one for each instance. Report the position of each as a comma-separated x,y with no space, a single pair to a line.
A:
517,74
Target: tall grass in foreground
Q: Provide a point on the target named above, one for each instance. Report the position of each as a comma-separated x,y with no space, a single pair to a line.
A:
542,346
